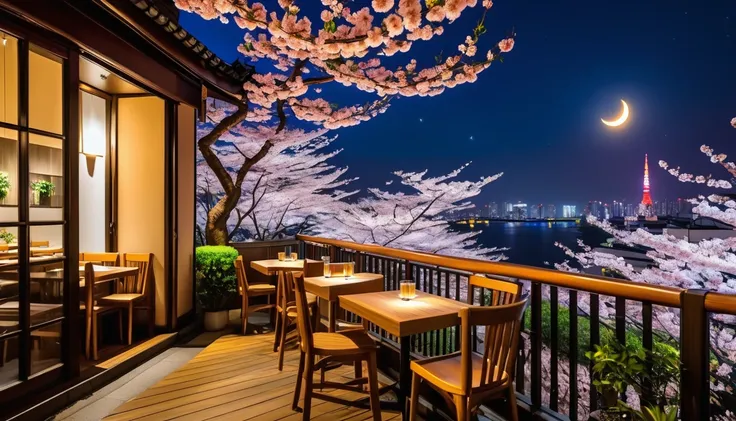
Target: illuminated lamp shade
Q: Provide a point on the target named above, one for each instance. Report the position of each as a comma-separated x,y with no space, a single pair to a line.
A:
94,139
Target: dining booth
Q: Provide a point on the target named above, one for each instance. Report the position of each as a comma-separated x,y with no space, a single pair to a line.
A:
98,107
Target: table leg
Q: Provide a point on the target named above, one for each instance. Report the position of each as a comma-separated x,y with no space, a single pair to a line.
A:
404,375
332,315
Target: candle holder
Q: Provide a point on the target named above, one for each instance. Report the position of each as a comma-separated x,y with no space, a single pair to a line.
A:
348,269
327,270
407,290
282,256
294,256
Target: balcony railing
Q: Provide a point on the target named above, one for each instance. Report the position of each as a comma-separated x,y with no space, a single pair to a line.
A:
448,277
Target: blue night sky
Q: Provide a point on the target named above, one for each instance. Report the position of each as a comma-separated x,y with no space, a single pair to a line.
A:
535,116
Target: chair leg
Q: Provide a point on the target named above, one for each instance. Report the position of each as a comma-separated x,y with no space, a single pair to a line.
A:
513,409
94,337
298,389
414,401
282,340
88,336
120,324
151,318
277,331
130,323
309,380
373,385
244,313
461,406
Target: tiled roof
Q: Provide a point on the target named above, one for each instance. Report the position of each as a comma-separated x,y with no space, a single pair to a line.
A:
237,72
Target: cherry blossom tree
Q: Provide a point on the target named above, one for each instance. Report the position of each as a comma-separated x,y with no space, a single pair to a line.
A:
294,58
283,191
407,218
708,264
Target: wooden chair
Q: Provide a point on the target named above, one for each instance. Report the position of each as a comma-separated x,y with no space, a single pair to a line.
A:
134,291
286,312
4,248
468,379
502,292
102,259
352,346
92,312
247,291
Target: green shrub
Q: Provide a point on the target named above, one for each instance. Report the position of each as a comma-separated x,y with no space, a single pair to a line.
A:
216,280
607,335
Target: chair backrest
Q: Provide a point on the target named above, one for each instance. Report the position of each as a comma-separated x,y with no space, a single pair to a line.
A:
502,326
240,273
104,259
306,342
4,247
313,268
142,282
501,292
287,294
43,243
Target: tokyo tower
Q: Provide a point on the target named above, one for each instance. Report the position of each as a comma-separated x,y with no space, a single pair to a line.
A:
646,199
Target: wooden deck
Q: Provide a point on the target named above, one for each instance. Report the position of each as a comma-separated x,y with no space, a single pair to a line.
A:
236,378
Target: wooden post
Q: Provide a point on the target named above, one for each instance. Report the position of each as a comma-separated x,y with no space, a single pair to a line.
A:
694,355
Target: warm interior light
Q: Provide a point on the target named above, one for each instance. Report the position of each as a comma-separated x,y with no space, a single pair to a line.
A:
93,125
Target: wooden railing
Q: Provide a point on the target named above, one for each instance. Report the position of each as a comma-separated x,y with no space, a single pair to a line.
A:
448,277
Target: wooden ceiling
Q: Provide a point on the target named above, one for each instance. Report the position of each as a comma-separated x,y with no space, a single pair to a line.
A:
97,76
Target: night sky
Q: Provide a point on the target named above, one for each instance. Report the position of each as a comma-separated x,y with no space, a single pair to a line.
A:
536,116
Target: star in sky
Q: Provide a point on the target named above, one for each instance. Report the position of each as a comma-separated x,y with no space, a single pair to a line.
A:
471,138
421,120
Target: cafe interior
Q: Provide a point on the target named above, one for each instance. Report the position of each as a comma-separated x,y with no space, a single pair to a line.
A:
120,234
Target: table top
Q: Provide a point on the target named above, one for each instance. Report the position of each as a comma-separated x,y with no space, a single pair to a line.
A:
333,287
102,274
424,313
272,266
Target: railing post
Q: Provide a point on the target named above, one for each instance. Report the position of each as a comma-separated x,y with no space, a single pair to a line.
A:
694,356
408,271
358,259
303,250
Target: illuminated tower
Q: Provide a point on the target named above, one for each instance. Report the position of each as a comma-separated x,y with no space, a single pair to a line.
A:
645,208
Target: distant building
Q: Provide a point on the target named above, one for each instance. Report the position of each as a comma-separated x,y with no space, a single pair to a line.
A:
550,211
519,211
617,210
535,211
569,211
493,210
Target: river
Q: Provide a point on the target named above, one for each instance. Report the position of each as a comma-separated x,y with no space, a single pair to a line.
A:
530,243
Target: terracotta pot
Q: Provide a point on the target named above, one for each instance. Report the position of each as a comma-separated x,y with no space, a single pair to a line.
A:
215,320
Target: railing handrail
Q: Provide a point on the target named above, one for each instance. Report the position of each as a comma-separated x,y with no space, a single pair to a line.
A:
655,294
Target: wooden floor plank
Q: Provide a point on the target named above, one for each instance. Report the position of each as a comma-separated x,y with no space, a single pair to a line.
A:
235,378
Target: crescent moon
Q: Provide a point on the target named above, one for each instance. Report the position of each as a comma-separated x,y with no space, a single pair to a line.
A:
621,119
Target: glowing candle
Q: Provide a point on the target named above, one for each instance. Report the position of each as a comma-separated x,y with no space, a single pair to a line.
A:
407,290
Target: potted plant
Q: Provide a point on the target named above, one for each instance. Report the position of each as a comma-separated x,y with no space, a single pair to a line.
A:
4,186
6,236
216,283
615,367
43,190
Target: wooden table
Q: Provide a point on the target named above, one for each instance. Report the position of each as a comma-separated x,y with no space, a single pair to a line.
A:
401,318
332,288
275,266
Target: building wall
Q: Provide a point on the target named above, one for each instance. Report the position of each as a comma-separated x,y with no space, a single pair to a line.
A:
92,170
186,191
140,154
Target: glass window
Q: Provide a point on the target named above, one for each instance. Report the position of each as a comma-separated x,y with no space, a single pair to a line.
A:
8,175
45,345
8,80
8,324
45,175
45,91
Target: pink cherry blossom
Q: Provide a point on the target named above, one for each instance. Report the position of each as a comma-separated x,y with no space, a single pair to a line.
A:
506,45
382,6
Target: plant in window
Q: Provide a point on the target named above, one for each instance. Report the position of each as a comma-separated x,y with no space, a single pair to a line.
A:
43,190
6,236
4,185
